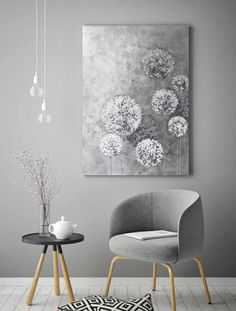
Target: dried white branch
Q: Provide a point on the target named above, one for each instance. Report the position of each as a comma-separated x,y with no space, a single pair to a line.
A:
40,176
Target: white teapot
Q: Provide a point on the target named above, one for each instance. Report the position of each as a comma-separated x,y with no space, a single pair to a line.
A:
62,229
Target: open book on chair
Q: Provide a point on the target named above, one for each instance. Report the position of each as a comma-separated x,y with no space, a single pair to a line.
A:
149,235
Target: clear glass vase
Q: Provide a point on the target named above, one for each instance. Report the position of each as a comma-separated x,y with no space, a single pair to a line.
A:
44,220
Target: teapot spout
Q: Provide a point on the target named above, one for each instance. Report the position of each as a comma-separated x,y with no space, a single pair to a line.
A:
74,226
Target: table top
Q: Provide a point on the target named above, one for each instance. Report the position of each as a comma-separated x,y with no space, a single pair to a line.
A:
35,238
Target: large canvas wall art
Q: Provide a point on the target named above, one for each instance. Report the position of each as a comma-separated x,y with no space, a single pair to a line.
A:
136,100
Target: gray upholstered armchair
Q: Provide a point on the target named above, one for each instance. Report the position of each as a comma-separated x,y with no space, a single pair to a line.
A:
172,210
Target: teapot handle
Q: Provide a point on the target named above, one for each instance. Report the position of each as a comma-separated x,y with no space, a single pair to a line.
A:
51,228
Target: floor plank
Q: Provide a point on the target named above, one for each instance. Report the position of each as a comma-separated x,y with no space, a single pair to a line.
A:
179,301
133,292
21,306
82,292
198,294
111,291
14,299
41,298
218,301
227,297
95,290
232,290
121,292
187,298
5,292
161,299
53,301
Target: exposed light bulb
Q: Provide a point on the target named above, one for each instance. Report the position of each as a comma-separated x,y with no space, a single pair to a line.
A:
36,91
44,116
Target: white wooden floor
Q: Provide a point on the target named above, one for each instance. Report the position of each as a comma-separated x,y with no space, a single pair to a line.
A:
189,293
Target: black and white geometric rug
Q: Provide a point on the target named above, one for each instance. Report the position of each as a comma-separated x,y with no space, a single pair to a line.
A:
101,303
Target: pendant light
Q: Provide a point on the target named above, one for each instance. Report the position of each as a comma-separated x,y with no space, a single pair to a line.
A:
44,116
36,91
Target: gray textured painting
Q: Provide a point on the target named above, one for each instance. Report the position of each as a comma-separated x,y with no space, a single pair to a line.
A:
135,100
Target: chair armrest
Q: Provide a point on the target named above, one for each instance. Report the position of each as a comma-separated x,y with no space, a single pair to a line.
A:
191,231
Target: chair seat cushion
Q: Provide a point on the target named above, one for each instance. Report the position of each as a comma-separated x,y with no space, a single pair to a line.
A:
156,250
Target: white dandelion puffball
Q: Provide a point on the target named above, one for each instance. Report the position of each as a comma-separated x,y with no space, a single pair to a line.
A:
111,145
178,126
149,152
157,63
121,115
164,102
180,83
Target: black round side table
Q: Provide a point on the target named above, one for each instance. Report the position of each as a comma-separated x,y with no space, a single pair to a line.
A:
35,238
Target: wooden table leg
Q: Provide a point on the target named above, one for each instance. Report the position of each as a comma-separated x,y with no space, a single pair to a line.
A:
66,275
55,271
36,277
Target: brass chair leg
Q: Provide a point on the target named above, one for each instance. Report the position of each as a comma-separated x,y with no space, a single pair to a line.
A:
154,273
110,273
55,271
66,275
36,277
172,285
203,276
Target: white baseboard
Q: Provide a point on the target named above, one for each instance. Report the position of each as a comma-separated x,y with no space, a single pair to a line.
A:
121,281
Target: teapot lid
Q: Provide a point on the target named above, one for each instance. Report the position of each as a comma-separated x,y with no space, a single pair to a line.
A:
63,219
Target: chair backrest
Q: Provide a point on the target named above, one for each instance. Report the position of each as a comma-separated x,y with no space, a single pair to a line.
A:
169,205
152,211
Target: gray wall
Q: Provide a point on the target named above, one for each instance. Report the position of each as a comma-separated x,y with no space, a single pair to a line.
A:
89,201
